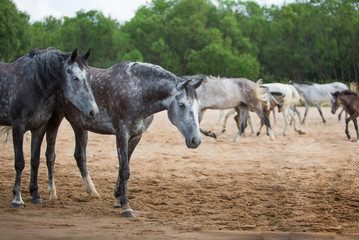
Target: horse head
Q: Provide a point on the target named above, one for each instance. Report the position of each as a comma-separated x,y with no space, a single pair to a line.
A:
183,112
76,87
336,102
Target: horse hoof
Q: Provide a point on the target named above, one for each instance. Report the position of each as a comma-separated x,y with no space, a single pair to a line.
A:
223,130
128,214
36,201
17,205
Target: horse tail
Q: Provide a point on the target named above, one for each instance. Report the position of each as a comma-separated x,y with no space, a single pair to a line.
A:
295,95
5,133
262,93
353,86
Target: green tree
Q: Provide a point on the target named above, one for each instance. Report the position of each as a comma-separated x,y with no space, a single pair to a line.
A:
47,33
14,31
92,30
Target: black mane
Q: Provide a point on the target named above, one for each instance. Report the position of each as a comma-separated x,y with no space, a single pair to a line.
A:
348,92
48,66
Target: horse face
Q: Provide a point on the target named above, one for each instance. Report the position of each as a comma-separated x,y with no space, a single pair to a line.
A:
77,89
183,113
335,102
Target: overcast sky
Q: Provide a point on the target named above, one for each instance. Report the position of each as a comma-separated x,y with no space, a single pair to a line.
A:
122,10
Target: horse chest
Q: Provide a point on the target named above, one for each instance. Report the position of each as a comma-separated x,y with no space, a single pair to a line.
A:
140,126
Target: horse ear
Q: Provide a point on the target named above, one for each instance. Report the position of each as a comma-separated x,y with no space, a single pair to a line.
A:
182,85
74,55
332,94
87,55
198,83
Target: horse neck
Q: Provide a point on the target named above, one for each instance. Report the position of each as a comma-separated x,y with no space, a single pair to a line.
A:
347,99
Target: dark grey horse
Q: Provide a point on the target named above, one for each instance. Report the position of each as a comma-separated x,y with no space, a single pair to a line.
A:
30,89
128,95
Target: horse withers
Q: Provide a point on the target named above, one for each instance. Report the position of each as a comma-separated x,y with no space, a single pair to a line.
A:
128,95
350,101
31,88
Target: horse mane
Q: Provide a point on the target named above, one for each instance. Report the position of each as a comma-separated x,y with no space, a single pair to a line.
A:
149,71
348,92
48,65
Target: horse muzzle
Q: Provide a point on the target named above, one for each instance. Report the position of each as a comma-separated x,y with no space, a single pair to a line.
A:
91,113
193,142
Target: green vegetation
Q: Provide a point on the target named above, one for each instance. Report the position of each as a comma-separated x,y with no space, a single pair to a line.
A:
316,40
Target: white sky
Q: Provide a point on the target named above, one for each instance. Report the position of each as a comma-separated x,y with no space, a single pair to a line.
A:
122,10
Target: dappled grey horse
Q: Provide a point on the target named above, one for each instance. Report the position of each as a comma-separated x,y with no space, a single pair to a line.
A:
128,95
239,93
317,94
30,89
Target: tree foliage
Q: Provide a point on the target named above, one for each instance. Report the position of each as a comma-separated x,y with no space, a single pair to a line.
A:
316,40
14,31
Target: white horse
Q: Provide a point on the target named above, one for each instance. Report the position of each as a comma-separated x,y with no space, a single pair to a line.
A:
239,93
290,99
317,94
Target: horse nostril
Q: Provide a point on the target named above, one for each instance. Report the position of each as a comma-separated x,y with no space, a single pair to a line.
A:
194,141
92,113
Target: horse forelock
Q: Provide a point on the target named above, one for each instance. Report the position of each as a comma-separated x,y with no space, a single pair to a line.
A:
49,64
191,92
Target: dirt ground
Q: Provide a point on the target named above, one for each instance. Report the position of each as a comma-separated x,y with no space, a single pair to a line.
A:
296,187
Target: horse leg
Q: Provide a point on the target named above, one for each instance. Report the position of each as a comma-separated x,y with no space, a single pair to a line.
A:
243,112
292,116
18,135
296,111
123,176
320,112
36,140
51,134
356,128
340,114
306,112
232,111
221,113
285,111
266,122
274,118
204,132
346,127
208,133
81,137
250,124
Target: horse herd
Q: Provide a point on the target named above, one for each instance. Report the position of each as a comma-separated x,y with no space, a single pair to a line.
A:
41,88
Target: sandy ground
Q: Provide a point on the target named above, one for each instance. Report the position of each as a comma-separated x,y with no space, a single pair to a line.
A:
296,187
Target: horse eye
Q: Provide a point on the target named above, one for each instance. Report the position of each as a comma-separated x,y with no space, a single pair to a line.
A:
76,78
182,105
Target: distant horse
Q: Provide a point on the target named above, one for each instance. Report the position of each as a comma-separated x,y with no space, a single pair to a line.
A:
239,93
317,94
128,95
277,101
30,89
350,101
290,99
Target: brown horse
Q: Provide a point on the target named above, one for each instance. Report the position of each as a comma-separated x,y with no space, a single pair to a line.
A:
350,101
